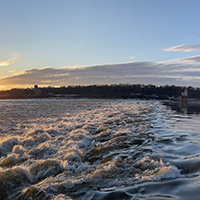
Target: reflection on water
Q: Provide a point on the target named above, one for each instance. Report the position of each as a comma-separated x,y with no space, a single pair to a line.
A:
191,107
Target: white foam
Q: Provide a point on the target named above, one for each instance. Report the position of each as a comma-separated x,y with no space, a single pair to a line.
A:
61,197
156,170
86,146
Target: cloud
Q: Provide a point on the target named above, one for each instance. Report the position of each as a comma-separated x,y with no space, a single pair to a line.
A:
191,59
12,71
10,61
132,57
184,47
132,73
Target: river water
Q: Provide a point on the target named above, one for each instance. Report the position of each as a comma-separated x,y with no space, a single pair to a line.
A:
98,150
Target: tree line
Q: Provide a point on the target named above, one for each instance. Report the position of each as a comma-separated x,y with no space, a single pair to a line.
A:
103,91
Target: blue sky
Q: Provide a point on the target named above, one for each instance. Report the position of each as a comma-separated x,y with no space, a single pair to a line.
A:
69,37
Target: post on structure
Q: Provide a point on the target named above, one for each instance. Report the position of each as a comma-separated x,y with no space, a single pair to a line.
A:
184,100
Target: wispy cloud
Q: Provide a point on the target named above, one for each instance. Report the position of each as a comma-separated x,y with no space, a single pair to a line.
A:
132,57
10,61
184,47
191,59
133,73
12,71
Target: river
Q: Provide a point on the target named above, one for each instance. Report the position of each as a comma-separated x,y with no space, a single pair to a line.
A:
71,149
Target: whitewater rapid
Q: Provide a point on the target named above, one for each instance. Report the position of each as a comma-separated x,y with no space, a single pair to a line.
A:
93,149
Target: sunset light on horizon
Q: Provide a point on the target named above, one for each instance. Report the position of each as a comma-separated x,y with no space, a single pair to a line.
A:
99,42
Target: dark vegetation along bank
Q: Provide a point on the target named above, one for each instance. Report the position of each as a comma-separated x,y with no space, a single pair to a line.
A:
102,91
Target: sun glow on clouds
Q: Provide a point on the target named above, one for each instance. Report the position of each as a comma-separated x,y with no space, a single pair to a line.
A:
180,71
12,71
10,61
133,73
4,63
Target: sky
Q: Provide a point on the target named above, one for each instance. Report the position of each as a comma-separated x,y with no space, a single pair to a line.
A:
82,42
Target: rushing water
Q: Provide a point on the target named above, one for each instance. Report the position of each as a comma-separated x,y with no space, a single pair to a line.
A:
98,150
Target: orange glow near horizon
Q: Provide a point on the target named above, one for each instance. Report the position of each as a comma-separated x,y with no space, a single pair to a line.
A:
8,87
2,87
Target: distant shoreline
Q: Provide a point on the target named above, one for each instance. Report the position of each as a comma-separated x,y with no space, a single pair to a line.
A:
121,91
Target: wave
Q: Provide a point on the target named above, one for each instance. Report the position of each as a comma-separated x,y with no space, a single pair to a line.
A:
92,147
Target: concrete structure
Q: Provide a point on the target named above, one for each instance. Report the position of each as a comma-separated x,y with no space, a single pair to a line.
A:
184,96
37,90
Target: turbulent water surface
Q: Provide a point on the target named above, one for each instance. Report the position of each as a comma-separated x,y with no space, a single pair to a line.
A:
98,150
